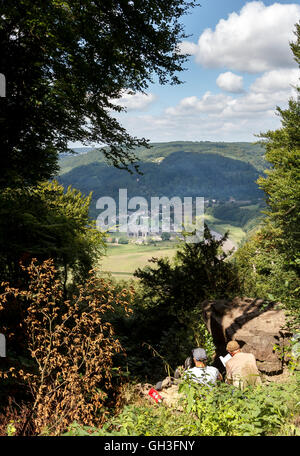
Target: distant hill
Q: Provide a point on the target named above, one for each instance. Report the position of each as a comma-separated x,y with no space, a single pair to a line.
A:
219,171
244,151
71,153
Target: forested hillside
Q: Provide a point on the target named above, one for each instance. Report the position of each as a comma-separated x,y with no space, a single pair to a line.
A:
217,171
244,151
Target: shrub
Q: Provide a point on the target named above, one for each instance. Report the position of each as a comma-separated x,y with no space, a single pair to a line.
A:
72,347
227,411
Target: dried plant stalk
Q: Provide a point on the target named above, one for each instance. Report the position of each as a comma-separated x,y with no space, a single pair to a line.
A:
72,344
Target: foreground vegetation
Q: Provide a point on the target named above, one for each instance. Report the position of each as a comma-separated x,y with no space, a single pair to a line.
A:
268,410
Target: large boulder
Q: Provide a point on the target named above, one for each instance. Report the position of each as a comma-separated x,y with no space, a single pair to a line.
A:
257,326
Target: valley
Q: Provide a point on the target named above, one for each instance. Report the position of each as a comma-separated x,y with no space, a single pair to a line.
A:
223,173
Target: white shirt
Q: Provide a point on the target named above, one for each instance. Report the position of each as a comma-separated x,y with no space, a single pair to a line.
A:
204,375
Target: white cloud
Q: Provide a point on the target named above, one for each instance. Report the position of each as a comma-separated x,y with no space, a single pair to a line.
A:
186,47
230,82
267,92
276,80
208,104
255,40
200,126
136,101
222,116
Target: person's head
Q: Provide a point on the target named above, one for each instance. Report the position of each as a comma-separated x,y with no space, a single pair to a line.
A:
233,347
199,357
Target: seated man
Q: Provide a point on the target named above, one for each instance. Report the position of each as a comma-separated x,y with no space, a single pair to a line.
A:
241,369
201,373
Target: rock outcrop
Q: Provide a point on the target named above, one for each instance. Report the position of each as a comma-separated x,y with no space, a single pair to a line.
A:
256,325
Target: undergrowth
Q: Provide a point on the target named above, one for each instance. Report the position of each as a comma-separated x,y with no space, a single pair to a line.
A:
266,410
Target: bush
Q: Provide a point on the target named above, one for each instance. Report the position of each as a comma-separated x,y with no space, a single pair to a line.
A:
71,375
226,411
168,314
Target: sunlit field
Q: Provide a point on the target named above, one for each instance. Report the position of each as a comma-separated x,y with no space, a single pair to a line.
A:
122,260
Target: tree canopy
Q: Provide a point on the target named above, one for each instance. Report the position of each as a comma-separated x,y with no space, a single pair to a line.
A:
65,63
199,271
47,222
282,182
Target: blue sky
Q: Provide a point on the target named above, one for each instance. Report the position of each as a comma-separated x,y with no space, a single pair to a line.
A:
241,67
197,78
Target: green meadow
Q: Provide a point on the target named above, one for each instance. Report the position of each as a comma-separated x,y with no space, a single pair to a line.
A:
123,259
236,233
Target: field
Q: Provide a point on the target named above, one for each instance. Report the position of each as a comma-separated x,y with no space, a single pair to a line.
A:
122,260
236,234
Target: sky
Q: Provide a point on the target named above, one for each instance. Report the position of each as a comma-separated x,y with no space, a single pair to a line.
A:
240,68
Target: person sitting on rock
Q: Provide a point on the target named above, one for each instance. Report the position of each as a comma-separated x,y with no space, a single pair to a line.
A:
201,373
241,369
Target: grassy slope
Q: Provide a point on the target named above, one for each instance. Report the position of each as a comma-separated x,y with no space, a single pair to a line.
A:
122,260
236,234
